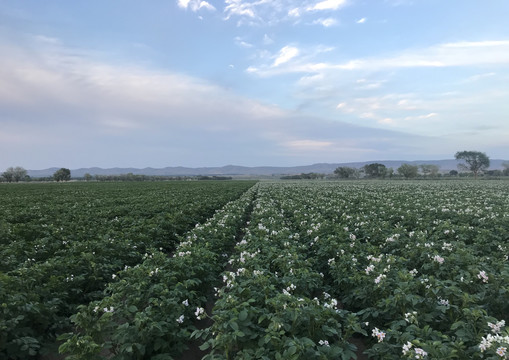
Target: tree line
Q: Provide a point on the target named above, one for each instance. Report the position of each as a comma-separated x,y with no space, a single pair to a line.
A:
476,163
17,174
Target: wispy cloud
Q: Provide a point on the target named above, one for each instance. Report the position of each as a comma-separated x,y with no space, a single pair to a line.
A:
327,5
267,40
328,22
130,112
306,144
239,8
256,12
285,54
478,77
477,44
242,43
195,5
361,21
443,55
421,117
294,12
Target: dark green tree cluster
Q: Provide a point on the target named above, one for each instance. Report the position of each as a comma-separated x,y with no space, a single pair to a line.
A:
305,176
62,174
345,172
408,171
429,169
375,170
476,161
15,174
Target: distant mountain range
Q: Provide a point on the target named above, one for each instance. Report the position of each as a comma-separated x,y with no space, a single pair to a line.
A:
233,170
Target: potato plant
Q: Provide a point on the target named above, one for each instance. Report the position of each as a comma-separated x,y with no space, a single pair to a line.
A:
423,265
290,270
61,244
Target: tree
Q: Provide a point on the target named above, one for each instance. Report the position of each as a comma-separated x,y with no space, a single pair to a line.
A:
87,177
14,174
506,168
453,173
429,169
62,174
477,161
408,171
346,172
375,170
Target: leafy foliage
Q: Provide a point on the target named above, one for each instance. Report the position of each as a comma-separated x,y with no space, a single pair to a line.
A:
346,172
477,161
408,171
290,270
61,245
14,174
375,170
62,174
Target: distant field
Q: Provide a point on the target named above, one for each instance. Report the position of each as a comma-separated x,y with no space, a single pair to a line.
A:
278,270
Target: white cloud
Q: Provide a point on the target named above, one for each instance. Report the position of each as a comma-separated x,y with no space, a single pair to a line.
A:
285,54
421,117
461,54
327,5
242,43
361,21
238,8
326,22
183,3
406,104
206,5
306,144
267,40
295,12
195,5
256,12
476,44
369,85
311,80
127,115
47,39
387,121
479,77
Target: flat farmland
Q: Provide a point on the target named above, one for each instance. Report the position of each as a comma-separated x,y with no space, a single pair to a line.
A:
279,270
60,244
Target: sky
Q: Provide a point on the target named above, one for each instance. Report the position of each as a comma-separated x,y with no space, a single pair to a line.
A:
256,83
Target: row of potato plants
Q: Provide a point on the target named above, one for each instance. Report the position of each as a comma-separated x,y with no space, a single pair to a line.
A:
151,309
61,244
274,303
422,267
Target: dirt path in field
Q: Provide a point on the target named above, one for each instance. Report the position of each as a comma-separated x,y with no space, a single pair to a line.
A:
359,342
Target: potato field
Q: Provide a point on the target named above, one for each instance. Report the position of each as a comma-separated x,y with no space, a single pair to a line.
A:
243,270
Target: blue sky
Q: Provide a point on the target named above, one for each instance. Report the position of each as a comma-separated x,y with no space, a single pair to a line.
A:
279,82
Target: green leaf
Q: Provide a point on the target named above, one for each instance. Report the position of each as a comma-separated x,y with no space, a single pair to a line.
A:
243,315
204,346
292,350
